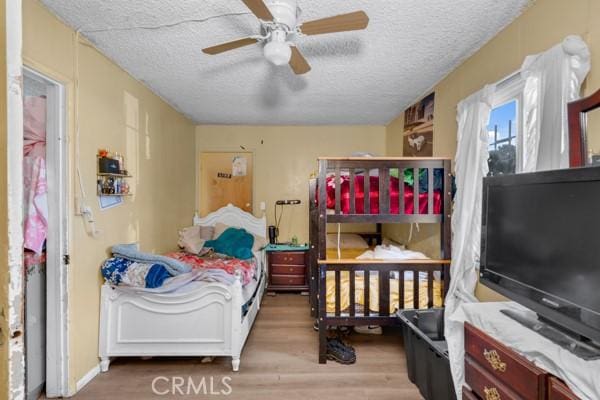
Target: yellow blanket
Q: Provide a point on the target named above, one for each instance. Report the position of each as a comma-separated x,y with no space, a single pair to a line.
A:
359,284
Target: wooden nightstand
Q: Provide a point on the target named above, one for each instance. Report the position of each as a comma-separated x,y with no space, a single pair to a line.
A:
288,268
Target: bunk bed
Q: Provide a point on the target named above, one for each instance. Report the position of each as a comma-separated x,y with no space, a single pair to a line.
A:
345,291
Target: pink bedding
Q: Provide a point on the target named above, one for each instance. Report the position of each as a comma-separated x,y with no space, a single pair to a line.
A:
246,268
359,192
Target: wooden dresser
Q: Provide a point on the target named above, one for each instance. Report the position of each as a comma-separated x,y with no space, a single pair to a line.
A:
288,268
495,372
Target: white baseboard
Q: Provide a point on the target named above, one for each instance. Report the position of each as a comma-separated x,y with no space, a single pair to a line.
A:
87,378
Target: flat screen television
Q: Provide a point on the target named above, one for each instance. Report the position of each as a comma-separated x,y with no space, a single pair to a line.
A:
540,245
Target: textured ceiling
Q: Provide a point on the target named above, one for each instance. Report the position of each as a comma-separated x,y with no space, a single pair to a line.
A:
364,77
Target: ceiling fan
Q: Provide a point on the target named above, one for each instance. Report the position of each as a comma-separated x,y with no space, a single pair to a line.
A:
280,25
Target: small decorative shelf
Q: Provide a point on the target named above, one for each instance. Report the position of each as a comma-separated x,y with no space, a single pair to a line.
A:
112,176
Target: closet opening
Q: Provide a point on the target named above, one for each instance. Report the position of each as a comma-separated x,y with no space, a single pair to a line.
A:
45,230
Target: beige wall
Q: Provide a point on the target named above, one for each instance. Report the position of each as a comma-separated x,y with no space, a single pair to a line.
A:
542,26
118,113
284,159
3,211
425,237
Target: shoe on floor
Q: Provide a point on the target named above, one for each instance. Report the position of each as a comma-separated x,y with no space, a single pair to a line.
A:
368,329
337,352
339,342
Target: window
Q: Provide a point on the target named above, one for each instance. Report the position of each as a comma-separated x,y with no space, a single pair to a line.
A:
502,139
504,128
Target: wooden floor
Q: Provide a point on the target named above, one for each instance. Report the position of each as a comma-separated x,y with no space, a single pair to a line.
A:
278,362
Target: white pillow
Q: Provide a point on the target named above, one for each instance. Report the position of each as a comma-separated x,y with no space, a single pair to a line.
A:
190,240
347,241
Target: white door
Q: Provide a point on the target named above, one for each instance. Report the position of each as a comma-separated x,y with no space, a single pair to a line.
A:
46,329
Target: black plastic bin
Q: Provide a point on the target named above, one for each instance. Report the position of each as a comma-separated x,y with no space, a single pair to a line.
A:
427,353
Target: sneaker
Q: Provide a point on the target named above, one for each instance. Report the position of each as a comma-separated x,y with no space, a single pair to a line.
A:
339,353
339,342
369,329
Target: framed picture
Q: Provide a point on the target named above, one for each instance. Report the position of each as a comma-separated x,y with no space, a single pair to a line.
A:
107,202
584,126
418,128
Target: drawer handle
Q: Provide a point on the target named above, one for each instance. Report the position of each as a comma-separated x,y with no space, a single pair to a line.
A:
491,393
493,358
291,269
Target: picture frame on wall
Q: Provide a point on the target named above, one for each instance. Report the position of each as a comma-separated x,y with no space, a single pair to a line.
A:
418,128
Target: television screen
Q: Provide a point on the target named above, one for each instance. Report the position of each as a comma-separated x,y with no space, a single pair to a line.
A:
541,241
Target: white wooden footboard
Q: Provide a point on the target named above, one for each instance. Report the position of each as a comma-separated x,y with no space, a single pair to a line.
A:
205,322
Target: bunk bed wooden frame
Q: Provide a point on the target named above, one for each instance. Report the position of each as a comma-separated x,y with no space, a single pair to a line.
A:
319,218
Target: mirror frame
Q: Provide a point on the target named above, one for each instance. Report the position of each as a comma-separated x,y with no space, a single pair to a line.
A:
577,113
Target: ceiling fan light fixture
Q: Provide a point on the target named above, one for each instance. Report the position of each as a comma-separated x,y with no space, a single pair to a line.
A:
278,53
280,29
277,50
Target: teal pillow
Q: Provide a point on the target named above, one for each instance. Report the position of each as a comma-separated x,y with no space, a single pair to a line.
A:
233,242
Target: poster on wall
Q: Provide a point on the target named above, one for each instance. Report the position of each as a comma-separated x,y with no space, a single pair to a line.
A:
418,128
239,166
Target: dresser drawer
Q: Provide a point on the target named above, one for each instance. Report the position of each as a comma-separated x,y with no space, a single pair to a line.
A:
288,280
288,269
505,365
559,391
287,258
468,395
485,385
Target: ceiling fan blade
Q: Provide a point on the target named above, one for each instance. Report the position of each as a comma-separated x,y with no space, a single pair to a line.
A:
221,48
259,8
298,62
341,23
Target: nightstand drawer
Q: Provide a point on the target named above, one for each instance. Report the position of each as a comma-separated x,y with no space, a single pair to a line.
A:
288,280
288,269
485,385
287,258
504,365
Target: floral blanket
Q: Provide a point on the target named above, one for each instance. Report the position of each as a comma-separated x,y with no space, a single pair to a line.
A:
246,268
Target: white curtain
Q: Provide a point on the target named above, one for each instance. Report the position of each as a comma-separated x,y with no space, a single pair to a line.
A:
552,79
471,166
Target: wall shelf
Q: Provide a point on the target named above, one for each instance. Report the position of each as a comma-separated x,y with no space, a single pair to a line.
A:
114,175
111,184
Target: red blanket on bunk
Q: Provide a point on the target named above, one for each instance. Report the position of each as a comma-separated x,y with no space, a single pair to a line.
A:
359,193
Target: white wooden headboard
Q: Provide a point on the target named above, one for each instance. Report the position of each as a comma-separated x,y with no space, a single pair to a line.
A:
237,218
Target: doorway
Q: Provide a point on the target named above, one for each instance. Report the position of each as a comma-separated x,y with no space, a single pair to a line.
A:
45,224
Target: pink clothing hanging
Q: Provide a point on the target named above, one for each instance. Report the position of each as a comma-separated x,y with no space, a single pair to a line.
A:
35,185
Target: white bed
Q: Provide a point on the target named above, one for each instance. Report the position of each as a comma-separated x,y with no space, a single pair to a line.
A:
204,319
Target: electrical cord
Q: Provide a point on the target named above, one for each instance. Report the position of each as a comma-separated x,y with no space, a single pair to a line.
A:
167,25
84,210
278,220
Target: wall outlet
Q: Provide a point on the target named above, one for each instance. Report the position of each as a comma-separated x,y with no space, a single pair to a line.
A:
263,206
